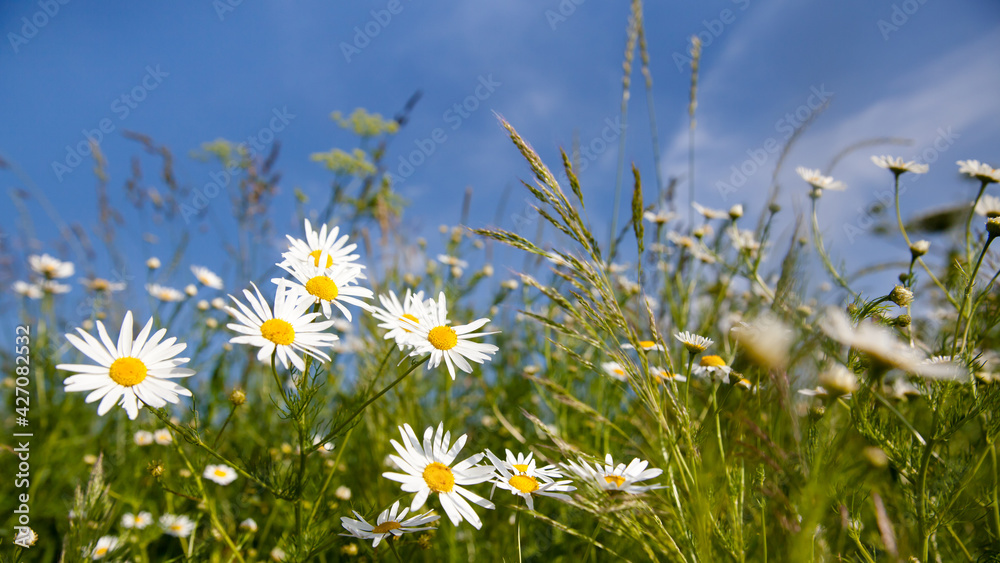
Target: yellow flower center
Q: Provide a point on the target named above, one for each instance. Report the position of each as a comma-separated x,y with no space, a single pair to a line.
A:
322,287
384,527
176,528
100,552
712,361
220,473
100,284
521,467
278,331
443,337
411,318
315,254
524,483
127,371
616,479
439,477
618,371
647,344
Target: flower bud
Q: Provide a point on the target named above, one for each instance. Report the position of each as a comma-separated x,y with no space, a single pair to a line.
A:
736,211
919,248
153,263
237,397
901,296
993,226
155,468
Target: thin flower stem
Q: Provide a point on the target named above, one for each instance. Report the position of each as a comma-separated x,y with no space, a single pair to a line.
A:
900,416
906,237
361,409
215,443
821,250
517,523
965,298
968,223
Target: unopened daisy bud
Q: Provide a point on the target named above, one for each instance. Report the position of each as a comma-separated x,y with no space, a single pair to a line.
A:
421,242
509,284
993,226
249,525
90,459
218,303
456,271
155,468
443,229
211,322
203,305
191,290
410,279
350,549
919,248
736,211
87,324
488,270
343,493
901,296
153,263
902,321
237,397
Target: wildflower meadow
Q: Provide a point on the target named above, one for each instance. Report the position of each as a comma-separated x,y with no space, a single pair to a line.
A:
699,385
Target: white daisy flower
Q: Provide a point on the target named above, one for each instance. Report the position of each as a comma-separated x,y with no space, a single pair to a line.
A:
50,267
428,469
333,285
611,477
221,474
694,343
153,263
615,370
881,345
164,293
663,375
25,289
289,330
392,312
817,392
54,287
105,545
102,285
660,217
897,165
988,206
453,345
249,525
520,463
979,170
528,483
277,554
838,380
179,526
137,521
143,438
647,345
713,366
743,239
207,277
453,261
130,373
325,241
391,521
343,493
25,536
818,181
708,212
163,437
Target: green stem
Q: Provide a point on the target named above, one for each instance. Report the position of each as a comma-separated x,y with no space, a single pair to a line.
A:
821,250
361,409
215,443
968,223
965,298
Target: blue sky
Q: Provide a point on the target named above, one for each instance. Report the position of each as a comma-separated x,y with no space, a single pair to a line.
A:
925,71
